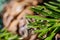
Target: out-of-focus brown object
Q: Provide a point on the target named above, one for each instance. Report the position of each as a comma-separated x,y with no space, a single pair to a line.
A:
57,37
14,16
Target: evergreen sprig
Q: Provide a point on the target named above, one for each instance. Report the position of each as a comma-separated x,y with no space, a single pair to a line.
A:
48,22
5,35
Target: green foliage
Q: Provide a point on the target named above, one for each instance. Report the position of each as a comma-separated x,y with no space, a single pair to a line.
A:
48,19
5,35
